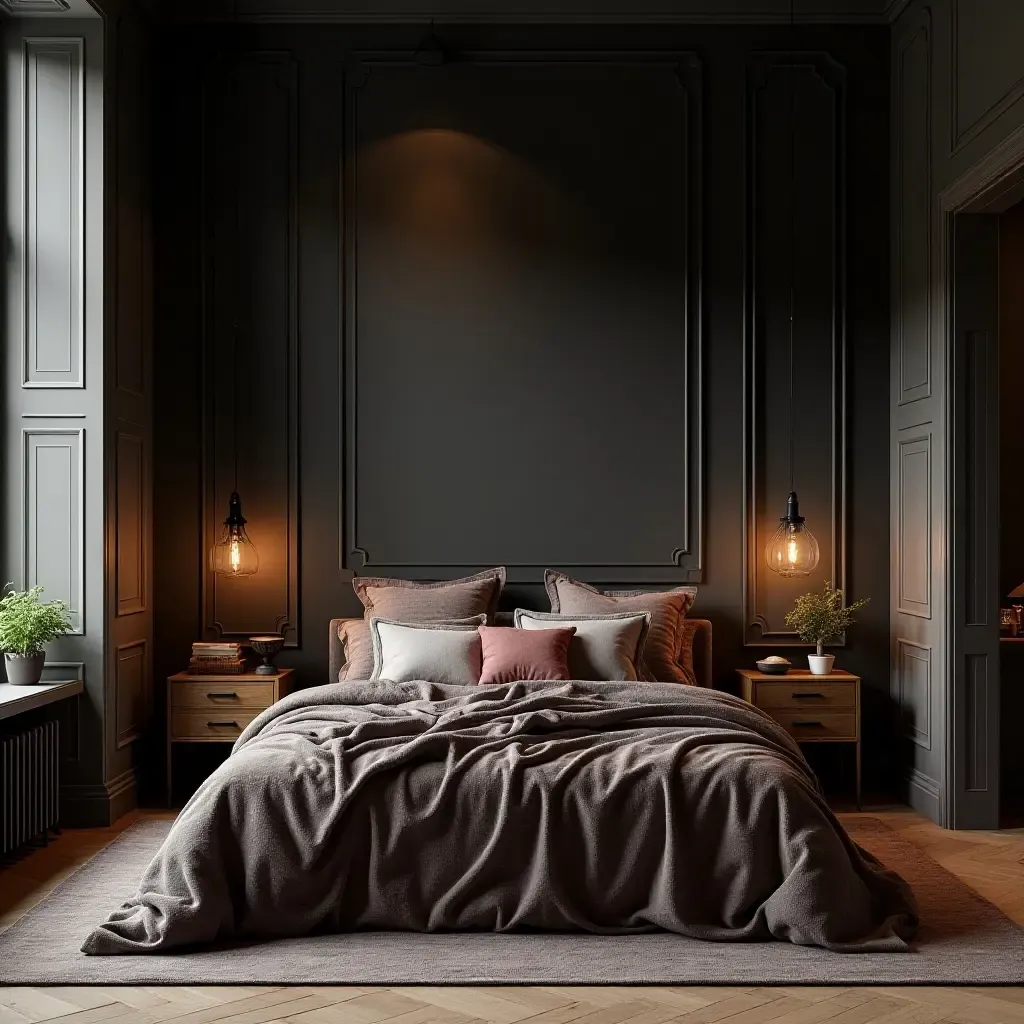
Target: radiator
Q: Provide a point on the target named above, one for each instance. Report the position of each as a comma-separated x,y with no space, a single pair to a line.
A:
28,785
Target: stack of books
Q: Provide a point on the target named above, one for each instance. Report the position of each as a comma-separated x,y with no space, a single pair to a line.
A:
219,658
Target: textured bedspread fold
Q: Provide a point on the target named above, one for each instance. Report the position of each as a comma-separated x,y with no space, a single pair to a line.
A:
603,807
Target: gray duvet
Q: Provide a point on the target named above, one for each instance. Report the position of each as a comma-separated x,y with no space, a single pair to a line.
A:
602,807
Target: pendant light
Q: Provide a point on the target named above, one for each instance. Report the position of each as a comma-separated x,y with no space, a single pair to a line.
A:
792,551
234,554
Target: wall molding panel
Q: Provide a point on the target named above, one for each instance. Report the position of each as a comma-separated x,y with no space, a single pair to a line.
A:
815,86
913,222
615,556
914,522
132,705
130,554
54,516
913,696
53,252
962,132
251,338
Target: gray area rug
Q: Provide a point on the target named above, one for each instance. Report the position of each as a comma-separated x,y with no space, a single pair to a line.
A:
963,940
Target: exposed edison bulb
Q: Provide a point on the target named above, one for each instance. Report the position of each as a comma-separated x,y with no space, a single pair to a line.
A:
234,554
792,551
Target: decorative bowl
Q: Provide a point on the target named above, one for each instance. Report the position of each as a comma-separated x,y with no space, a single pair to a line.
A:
267,647
774,668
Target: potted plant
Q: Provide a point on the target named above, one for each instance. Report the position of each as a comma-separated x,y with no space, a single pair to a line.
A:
822,619
26,624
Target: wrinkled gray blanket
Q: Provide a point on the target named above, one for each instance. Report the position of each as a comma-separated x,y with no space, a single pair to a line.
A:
604,807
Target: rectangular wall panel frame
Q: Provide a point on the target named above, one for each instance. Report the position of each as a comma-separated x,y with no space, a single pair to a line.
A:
76,438
961,135
758,630
906,649
286,619
917,442
131,604
32,47
128,732
914,392
685,562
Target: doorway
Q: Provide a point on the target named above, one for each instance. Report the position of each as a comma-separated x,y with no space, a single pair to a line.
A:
983,264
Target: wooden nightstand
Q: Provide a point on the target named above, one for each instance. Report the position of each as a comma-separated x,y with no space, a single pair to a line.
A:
215,709
812,709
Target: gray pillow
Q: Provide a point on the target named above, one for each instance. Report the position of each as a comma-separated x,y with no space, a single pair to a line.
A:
435,651
608,647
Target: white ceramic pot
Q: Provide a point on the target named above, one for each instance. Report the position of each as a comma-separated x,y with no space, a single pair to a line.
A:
821,664
24,669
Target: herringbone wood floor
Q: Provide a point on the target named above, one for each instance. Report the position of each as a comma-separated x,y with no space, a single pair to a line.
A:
990,862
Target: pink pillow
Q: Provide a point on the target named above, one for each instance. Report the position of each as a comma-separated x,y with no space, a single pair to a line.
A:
511,654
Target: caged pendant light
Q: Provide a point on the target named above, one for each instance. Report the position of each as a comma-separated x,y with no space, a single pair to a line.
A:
234,554
792,550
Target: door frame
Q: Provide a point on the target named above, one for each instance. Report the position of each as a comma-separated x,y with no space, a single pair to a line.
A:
989,187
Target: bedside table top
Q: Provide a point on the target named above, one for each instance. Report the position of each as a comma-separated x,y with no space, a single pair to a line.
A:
802,674
241,677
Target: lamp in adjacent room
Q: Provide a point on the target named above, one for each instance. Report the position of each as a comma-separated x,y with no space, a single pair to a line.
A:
792,551
1017,595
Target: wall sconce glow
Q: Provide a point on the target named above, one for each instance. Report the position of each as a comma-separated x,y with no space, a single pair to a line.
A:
234,554
792,551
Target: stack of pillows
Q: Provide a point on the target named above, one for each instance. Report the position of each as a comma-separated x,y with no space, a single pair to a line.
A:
445,632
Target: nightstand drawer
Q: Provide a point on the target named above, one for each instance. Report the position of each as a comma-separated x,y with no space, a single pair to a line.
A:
215,724
814,725
806,694
221,696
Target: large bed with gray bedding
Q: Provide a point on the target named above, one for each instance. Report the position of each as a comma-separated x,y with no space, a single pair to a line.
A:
585,806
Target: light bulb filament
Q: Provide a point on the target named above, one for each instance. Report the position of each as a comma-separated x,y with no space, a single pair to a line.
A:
235,555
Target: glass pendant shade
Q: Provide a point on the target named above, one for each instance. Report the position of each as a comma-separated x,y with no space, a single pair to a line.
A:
792,551
234,554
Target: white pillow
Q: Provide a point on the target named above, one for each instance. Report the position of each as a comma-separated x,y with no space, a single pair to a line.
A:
607,647
439,652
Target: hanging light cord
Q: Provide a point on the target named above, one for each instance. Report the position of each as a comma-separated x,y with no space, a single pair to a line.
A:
238,249
792,239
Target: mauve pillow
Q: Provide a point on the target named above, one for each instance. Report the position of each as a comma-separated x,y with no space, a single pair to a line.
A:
512,654
667,608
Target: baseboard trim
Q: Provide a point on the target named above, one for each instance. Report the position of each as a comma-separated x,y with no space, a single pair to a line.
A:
923,795
98,804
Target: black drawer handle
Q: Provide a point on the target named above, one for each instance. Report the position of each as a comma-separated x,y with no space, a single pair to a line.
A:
222,696
804,696
213,725
806,724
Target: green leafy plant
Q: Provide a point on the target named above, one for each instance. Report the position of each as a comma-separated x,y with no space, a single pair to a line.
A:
824,617
26,622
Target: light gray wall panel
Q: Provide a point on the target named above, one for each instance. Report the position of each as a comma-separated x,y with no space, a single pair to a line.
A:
53,124
54,461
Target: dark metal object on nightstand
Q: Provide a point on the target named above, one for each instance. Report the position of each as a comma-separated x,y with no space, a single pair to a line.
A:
267,647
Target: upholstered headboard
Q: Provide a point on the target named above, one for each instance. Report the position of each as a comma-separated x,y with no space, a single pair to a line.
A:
701,648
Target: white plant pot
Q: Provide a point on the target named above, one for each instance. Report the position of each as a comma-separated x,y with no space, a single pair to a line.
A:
24,669
821,664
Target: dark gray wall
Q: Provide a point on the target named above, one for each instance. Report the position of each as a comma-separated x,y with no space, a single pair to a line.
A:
957,92
527,308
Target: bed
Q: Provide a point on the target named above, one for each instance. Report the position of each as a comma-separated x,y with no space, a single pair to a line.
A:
549,806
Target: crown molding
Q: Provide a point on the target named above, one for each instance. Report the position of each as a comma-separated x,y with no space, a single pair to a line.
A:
704,12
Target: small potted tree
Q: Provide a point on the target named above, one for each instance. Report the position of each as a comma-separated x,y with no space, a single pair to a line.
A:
822,619
26,624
